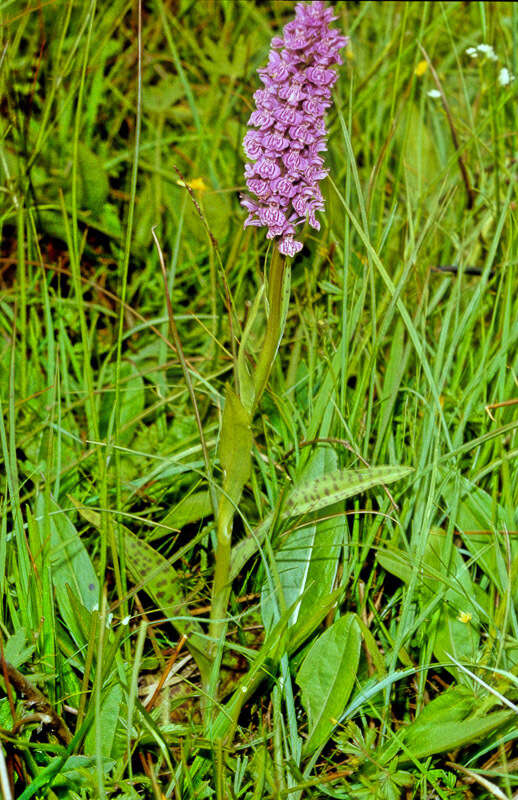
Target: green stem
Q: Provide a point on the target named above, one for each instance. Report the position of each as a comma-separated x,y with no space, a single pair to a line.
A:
221,585
235,447
278,299
220,596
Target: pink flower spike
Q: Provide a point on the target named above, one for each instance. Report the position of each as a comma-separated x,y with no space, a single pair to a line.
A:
290,115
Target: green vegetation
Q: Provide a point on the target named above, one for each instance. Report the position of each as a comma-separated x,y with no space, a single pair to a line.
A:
256,544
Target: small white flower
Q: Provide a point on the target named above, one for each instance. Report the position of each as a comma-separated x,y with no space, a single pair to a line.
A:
433,93
487,51
472,52
125,620
505,77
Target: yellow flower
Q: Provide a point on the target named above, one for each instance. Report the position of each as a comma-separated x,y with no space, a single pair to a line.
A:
464,616
421,68
198,184
322,250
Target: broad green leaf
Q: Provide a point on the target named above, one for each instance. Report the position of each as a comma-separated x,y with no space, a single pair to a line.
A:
326,678
145,215
306,567
16,649
78,774
418,152
279,286
307,624
81,615
235,445
155,574
454,705
456,637
191,508
394,371
396,562
426,739
160,580
72,570
131,401
214,206
307,560
343,484
321,571
111,705
339,485
51,221
159,98
109,222
235,453
246,384
93,181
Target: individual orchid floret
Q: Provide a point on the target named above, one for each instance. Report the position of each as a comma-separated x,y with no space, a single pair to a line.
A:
287,129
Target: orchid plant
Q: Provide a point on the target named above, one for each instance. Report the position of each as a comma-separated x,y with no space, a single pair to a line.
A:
284,145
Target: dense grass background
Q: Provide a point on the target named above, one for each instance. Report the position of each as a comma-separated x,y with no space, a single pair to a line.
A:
372,644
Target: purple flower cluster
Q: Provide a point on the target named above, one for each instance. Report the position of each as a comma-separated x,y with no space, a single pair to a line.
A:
286,164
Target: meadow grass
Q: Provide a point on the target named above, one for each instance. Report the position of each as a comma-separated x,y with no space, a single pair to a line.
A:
357,634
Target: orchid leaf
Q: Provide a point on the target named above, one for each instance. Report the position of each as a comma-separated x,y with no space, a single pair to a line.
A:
339,485
159,579
326,678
